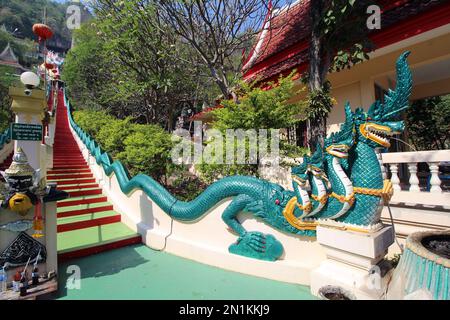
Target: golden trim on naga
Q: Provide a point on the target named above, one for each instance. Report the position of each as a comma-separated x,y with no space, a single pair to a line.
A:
342,199
323,199
386,192
288,214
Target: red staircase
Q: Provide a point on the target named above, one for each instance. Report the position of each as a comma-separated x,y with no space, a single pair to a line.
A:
87,223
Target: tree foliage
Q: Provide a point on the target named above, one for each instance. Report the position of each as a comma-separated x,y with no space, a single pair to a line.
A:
257,109
218,31
124,61
20,15
142,148
338,41
428,123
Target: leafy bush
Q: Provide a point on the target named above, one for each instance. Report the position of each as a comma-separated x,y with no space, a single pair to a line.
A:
142,148
112,135
148,150
257,109
92,121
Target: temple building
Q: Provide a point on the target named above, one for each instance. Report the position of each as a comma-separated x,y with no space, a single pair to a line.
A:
8,58
423,27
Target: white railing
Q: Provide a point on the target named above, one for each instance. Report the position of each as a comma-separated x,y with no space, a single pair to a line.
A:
426,187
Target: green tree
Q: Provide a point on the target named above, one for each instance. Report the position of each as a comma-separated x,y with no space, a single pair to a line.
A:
18,16
142,148
338,40
133,57
256,109
7,79
147,150
86,69
428,123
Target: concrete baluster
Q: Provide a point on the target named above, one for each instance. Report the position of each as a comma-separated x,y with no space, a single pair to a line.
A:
413,179
435,181
394,178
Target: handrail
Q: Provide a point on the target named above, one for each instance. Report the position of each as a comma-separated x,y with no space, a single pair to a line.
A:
5,137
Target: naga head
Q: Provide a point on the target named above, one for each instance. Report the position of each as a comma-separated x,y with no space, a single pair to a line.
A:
312,164
383,118
300,174
339,143
315,162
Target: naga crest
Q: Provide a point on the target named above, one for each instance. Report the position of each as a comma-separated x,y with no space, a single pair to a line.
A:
300,173
315,162
383,118
338,143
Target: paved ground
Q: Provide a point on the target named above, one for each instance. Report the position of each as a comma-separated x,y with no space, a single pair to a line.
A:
138,272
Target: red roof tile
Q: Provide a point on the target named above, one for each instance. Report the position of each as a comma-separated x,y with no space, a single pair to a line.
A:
285,47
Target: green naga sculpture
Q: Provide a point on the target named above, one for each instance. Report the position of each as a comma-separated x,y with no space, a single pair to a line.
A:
347,187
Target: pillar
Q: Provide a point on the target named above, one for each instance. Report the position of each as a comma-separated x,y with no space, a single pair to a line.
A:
29,109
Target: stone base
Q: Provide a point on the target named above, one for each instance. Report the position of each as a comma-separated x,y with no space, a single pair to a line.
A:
352,262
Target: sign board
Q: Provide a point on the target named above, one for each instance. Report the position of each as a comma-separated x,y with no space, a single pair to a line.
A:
27,132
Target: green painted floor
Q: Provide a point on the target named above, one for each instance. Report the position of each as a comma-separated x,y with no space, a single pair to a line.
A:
138,272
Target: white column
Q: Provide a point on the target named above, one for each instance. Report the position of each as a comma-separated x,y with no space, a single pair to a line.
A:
394,178
413,179
435,181
29,109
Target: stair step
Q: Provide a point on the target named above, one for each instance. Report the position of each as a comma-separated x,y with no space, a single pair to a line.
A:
85,192
66,163
78,187
84,242
84,209
75,166
69,159
68,218
81,200
64,171
111,217
69,176
80,181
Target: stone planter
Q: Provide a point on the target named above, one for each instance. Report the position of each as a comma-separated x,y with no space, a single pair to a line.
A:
424,267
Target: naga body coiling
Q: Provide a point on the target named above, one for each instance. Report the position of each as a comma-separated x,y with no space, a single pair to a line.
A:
347,187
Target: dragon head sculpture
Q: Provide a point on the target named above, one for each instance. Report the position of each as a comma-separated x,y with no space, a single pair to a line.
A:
339,143
313,165
300,174
383,118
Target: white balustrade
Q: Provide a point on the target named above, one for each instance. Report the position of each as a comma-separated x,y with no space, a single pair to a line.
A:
431,192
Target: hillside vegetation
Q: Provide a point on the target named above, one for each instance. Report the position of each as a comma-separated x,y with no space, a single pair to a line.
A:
20,15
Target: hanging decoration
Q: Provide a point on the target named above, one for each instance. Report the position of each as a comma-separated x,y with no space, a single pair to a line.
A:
49,65
43,31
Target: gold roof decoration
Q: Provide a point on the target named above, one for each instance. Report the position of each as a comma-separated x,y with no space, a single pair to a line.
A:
20,165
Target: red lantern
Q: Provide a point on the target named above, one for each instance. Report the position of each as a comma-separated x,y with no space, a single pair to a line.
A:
42,31
49,65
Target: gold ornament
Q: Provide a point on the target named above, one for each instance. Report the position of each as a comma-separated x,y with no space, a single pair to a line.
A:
20,203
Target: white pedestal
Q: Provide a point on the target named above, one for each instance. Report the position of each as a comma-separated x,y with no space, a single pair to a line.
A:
352,261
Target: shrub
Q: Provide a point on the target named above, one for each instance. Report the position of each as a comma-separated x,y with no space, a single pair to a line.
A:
142,148
147,149
257,109
112,135
92,121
